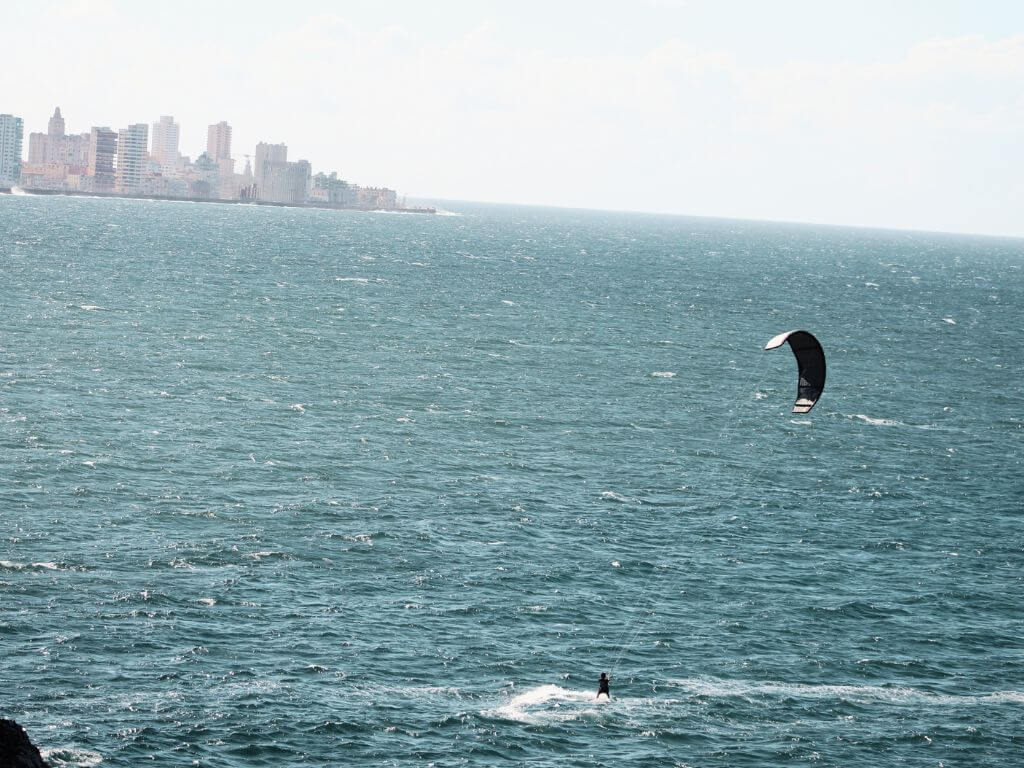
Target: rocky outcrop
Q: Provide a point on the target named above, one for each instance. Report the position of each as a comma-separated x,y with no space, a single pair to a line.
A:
16,751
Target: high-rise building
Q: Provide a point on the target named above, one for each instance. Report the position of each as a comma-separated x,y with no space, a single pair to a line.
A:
11,129
51,148
38,147
166,133
131,157
218,141
55,157
285,182
77,157
56,125
102,149
267,153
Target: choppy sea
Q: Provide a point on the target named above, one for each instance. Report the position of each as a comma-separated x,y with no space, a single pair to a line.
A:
301,487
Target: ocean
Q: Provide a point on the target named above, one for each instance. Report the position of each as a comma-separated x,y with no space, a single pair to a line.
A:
302,487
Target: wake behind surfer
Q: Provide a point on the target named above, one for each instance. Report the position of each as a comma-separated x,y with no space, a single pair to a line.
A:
602,686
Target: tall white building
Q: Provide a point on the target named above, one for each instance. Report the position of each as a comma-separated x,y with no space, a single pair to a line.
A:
166,134
131,157
11,129
218,141
267,153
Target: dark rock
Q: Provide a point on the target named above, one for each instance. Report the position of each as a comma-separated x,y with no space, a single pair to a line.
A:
16,751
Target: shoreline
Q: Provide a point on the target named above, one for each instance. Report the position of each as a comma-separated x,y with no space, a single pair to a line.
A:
181,199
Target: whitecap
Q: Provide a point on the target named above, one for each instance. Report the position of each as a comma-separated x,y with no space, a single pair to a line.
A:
90,307
71,756
297,407
749,690
546,702
11,565
359,538
613,496
352,279
509,303
663,374
206,601
878,422
949,320
263,553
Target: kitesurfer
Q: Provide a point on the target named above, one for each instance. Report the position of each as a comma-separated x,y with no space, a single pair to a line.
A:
602,686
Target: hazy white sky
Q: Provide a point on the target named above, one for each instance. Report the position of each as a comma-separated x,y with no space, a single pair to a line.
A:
902,113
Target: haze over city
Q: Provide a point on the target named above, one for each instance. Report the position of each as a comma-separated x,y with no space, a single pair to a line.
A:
905,116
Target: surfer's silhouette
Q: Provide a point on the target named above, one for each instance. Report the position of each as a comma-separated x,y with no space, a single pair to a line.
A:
602,686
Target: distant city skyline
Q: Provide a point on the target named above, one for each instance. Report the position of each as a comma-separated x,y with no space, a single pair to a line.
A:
103,161
902,115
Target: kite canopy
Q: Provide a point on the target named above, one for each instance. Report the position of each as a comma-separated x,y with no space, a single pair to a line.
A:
810,360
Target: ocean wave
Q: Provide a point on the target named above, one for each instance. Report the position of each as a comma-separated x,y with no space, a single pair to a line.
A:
877,422
548,702
11,565
71,756
750,690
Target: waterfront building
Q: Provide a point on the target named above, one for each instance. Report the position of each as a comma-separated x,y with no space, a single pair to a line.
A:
331,190
230,182
218,141
76,152
285,182
377,197
267,153
55,157
38,146
204,177
48,148
100,169
11,130
164,151
246,185
131,158
55,127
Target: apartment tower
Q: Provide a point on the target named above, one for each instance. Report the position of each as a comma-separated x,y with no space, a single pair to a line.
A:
11,130
131,158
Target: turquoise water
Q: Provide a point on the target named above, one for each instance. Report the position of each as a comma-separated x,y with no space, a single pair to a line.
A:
289,487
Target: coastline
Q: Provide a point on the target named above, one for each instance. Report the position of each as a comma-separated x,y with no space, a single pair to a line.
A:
179,199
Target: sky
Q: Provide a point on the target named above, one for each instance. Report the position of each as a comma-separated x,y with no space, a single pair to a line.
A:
905,114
